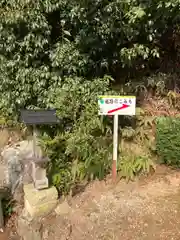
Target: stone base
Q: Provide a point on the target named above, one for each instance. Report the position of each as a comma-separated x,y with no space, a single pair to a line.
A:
39,203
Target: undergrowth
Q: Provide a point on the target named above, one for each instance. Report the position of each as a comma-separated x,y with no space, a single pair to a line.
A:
80,148
130,166
168,140
8,207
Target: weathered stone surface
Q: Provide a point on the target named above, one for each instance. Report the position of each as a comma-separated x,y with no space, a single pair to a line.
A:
28,230
40,210
23,149
38,172
27,176
39,176
15,159
63,208
13,170
41,184
39,197
18,195
4,177
39,203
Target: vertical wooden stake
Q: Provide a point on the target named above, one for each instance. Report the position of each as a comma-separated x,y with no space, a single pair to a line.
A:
115,147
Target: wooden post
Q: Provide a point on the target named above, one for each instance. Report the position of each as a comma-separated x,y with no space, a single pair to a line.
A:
115,147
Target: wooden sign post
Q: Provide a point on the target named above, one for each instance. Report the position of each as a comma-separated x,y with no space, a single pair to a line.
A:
116,105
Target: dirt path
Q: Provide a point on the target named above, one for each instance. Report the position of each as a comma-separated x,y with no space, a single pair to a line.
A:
143,210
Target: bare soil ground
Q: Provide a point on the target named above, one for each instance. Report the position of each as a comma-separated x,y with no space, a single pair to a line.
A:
146,209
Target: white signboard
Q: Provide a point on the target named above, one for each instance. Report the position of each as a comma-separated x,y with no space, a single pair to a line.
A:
117,105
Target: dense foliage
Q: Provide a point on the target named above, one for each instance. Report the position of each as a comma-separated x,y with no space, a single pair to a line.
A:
168,138
82,145
43,41
57,53
130,166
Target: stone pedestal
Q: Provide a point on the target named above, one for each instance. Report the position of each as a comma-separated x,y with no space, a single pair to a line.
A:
39,203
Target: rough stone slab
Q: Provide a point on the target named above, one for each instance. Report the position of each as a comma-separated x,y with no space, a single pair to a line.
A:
39,203
36,197
41,209
28,230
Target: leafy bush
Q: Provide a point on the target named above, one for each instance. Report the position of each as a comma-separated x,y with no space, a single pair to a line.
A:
130,166
80,149
168,140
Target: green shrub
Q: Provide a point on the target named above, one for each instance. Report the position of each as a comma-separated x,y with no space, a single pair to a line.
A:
130,166
80,148
168,140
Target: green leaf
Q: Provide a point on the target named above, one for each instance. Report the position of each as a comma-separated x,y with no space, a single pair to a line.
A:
66,32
